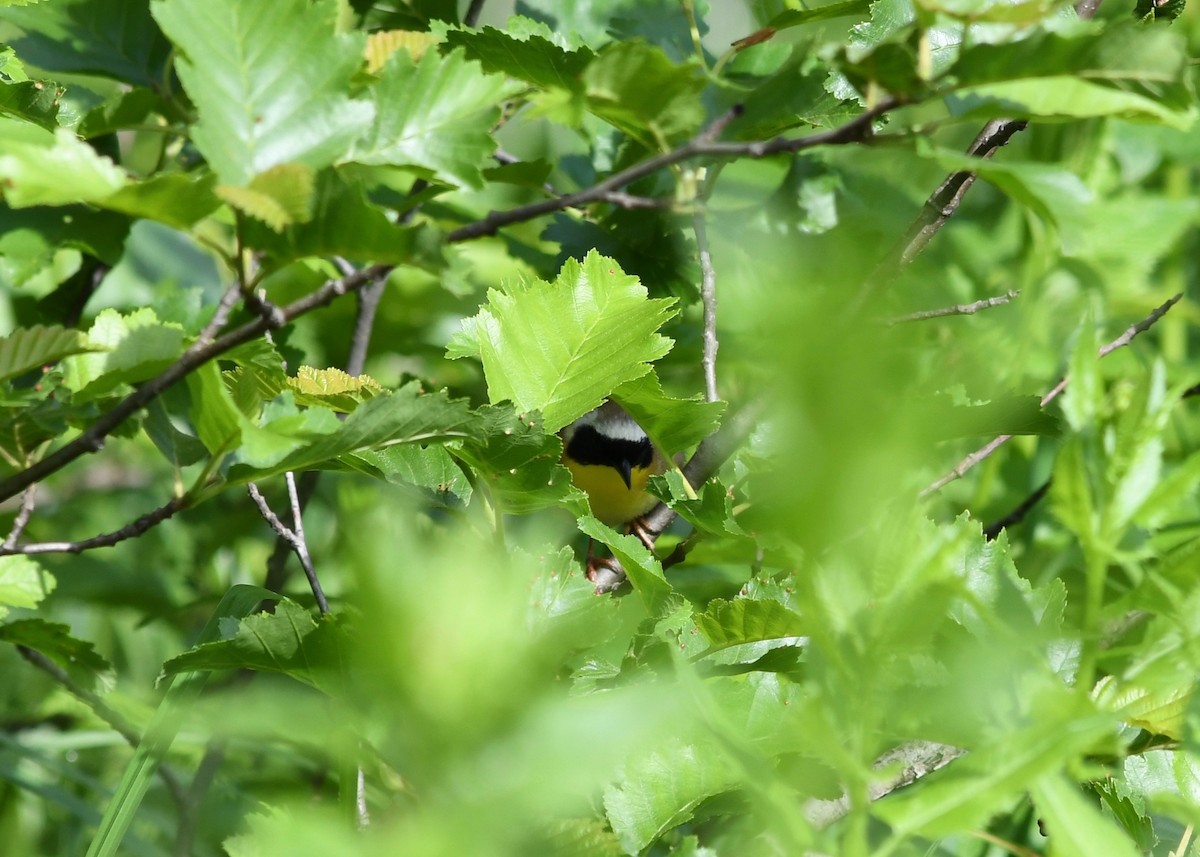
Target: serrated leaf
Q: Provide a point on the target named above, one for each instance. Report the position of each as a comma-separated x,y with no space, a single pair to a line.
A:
270,79
78,658
531,56
710,512
343,223
23,583
287,641
562,347
41,167
435,114
968,792
1123,71
176,199
1073,822
673,424
519,458
642,568
743,620
30,348
659,790
279,197
383,43
1158,711
405,416
131,348
430,470
637,88
113,38
35,101
332,388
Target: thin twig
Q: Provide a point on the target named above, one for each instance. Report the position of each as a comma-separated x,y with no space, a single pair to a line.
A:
1017,515
131,530
704,144
957,309
101,709
28,502
294,537
473,12
200,352
708,297
960,469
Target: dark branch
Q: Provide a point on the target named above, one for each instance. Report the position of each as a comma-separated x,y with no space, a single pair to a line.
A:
129,531
200,352
960,469
704,144
1017,515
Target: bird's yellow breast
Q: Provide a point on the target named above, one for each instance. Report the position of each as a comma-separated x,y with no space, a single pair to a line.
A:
610,500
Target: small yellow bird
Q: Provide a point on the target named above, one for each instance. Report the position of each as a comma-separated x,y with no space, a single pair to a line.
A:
611,459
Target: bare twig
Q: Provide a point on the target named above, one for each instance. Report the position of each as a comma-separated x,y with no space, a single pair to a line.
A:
957,309
200,352
471,18
28,502
294,537
1017,515
708,297
704,144
983,452
916,760
131,530
110,716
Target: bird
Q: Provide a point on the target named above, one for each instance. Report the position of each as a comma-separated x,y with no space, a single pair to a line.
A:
611,458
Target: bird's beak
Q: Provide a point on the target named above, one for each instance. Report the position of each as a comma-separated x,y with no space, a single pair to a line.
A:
625,468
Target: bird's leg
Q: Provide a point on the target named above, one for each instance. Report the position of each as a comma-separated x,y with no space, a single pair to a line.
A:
637,527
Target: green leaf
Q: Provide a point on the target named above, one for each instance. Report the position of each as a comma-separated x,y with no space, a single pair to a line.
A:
132,348
642,568
40,167
287,641
33,347
30,237
637,88
239,601
430,470
23,583
77,658
531,55
1124,71
270,79
435,114
343,223
120,112
1073,824
279,197
179,200
113,38
732,623
967,793
661,789
1052,192
797,17
673,424
405,416
332,388
35,101
562,347
519,458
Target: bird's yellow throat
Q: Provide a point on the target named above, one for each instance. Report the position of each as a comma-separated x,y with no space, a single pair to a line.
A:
611,459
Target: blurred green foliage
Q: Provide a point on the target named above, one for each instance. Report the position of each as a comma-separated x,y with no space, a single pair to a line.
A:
856,656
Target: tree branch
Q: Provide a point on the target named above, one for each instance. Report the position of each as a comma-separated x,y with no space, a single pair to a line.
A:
200,352
101,709
293,535
708,297
983,452
957,309
703,144
131,530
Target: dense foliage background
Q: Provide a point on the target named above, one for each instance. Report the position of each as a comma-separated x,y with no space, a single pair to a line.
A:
364,260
